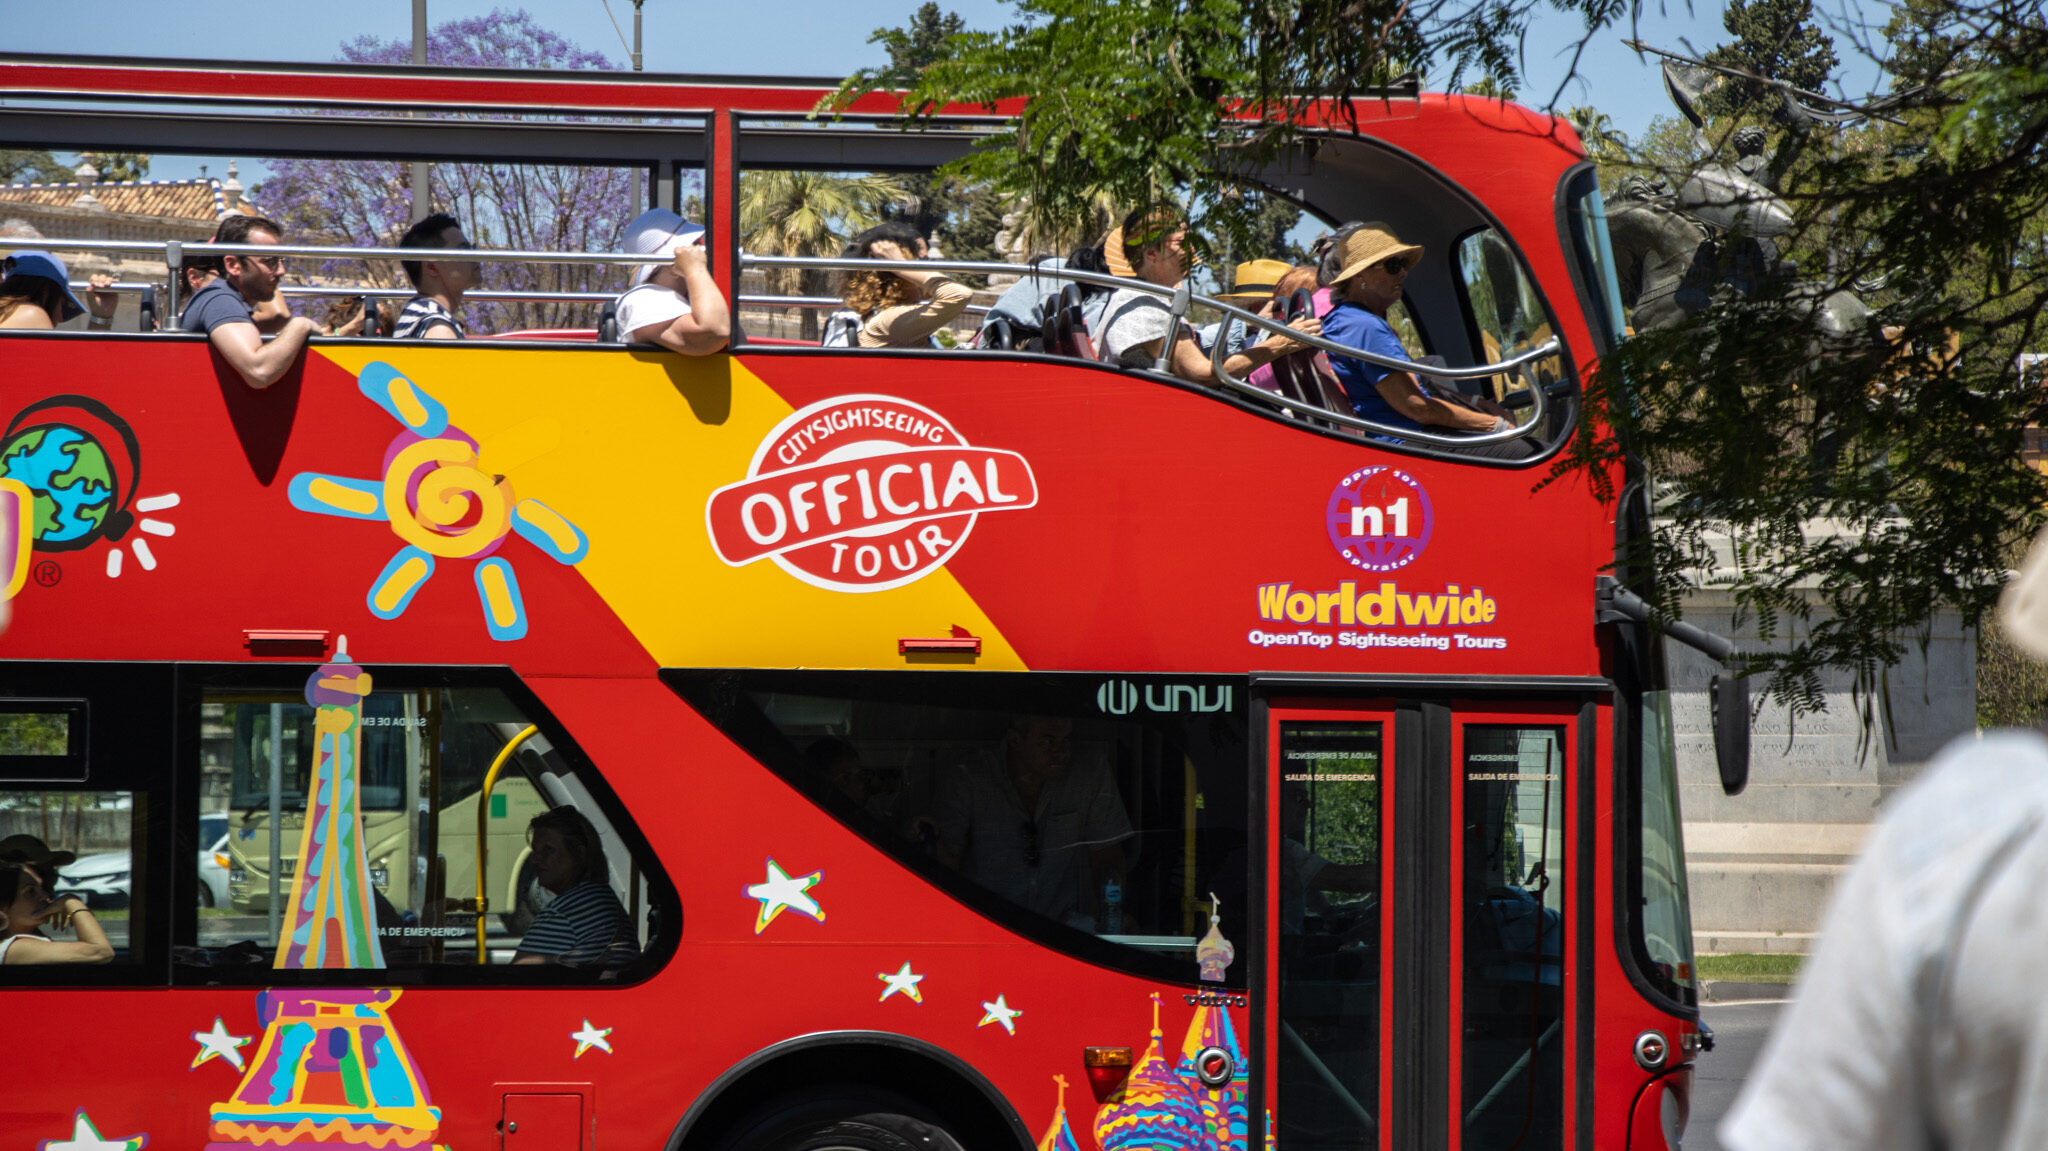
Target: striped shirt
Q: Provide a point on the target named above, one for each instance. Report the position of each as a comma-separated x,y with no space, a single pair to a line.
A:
421,313
583,926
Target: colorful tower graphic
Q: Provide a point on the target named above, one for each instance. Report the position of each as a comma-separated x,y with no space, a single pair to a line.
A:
1059,1136
1154,1108
330,921
331,1071
1200,1103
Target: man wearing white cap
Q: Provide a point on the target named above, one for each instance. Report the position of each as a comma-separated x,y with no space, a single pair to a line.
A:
679,306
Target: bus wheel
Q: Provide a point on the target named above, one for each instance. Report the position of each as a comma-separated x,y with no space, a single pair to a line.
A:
871,1122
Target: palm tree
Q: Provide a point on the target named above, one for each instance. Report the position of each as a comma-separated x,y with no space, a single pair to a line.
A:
1604,143
793,213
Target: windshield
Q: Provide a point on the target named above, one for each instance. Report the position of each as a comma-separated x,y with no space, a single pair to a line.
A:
1593,252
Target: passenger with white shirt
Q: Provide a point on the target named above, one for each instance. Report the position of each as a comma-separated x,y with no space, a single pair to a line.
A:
678,307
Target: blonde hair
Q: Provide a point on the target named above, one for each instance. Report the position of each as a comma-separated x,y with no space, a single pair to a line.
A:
866,290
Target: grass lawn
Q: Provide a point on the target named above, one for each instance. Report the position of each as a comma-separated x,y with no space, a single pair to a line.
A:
1750,968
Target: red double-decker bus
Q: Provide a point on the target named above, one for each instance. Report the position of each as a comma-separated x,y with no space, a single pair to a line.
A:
558,744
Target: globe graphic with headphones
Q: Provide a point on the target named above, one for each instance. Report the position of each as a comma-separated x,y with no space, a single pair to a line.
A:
72,479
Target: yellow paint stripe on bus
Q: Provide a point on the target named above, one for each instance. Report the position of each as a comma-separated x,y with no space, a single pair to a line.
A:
497,597
407,401
644,438
341,498
391,592
549,522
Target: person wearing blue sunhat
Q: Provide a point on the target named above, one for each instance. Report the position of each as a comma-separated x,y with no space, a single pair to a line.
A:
37,294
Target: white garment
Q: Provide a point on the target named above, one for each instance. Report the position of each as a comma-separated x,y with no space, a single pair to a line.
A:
649,304
1131,320
5,945
1919,1022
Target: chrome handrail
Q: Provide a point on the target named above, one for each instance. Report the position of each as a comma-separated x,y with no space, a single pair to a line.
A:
1537,406
167,248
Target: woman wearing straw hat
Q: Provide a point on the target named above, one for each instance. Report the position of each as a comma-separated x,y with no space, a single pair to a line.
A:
1365,268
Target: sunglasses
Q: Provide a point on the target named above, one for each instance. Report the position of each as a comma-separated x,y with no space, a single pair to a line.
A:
1395,265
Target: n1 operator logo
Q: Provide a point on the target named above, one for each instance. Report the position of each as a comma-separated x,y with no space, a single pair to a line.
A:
863,493
1379,519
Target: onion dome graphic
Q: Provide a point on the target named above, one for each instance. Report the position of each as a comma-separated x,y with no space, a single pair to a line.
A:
1271,1142
1059,1136
1214,953
1154,1109
1213,1071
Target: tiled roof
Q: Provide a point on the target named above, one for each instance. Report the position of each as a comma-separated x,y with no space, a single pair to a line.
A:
162,199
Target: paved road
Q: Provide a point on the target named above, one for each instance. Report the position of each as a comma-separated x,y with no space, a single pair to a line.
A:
1739,1032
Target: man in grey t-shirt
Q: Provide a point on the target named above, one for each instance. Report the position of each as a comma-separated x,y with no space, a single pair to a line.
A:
223,309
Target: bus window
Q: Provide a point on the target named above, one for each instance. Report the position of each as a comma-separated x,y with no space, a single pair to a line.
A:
1505,309
77,843
1512,903
1593,252
425,754
1663,923
1083,810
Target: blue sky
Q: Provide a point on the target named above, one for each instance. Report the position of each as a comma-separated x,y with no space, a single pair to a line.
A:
789,37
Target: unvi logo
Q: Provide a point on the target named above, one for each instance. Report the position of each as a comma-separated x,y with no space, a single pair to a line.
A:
1379,518
1122,697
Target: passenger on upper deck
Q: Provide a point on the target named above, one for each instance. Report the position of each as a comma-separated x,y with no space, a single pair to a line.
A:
1255,289
1365,268
224,308
37,294
680,306
1025,302
431,315
902,307
1150,245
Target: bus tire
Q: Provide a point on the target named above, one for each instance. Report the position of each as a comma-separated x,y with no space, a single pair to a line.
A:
869,1122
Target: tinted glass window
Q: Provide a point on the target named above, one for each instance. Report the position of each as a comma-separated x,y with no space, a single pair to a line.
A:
1505,309
1097,813
369,797
61,851
1512,903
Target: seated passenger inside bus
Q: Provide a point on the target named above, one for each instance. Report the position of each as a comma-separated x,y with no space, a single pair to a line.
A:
583,925
1365,268
904,306
679,306
26,905
1036,827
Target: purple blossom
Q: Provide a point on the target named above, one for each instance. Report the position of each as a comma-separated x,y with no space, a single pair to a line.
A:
535,207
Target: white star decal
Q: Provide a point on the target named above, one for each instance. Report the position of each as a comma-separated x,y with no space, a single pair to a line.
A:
903,982
1000,1012
781,893
218,1043
86,1137
590,1037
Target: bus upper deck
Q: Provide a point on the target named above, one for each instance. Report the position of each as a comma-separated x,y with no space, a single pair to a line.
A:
735,477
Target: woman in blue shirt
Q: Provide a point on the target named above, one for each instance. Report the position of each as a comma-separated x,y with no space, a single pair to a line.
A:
1365,268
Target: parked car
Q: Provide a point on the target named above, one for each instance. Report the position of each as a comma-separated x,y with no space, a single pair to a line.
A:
102,879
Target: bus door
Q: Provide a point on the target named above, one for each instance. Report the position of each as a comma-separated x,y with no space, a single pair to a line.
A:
1418,924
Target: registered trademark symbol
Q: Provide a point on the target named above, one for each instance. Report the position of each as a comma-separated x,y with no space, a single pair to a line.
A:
48,573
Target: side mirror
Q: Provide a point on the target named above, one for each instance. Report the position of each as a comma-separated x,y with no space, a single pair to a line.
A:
1728,700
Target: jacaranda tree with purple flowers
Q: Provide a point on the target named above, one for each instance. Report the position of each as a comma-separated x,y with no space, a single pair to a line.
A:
539,207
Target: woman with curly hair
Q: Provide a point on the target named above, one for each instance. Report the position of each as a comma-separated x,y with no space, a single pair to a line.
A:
901,307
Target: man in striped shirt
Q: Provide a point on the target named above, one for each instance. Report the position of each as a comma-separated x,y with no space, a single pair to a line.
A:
440,283
583,926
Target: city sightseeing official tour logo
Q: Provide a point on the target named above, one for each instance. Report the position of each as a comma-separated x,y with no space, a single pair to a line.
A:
863,493
1379,518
